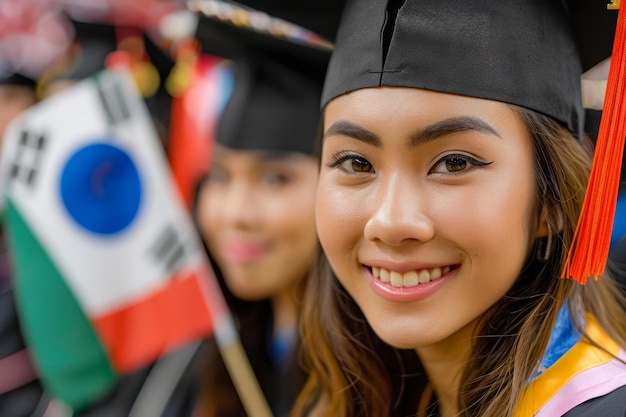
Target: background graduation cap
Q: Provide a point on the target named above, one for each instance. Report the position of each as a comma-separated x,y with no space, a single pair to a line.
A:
95,41
420,44
16,78
274,104
17,93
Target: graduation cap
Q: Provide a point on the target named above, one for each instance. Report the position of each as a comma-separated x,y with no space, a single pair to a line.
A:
17,79
528,53
274,104
94,42
523,53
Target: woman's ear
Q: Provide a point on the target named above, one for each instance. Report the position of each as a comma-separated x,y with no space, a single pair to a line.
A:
550,221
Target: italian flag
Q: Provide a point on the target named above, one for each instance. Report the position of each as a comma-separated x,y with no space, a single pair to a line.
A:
108,271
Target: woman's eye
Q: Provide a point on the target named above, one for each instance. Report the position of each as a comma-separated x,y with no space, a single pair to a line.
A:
454,163
351,163
276,179
217,176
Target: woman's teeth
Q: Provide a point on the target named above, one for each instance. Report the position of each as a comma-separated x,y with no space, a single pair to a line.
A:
411,278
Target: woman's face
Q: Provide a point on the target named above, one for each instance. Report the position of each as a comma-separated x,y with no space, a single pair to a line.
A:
256,214
425,208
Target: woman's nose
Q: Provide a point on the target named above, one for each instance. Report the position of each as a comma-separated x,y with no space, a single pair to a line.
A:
399,214
238,205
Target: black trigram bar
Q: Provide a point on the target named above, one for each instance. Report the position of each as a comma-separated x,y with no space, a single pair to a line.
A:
25,166
113,100
169,249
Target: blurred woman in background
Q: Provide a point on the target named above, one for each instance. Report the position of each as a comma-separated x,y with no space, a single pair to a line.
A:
255,209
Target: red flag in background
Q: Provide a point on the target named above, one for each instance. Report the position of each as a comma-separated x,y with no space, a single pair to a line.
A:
200,85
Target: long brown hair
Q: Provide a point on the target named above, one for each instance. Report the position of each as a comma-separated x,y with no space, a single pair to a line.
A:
217,395
353,373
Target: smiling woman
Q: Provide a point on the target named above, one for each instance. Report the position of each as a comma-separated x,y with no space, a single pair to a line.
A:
426,207
256,212
255,209
449,193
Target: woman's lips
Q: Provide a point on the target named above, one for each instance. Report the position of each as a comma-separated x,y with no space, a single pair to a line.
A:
243,252
408,286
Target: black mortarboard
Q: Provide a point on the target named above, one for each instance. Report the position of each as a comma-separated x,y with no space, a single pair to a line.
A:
95,41
274,104
519,52
16,78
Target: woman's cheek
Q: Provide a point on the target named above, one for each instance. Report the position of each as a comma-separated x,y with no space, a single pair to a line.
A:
339,217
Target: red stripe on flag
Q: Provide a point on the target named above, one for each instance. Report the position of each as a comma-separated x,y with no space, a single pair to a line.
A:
136,335
192,127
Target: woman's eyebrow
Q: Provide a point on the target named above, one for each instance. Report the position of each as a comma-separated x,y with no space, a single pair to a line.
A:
276,156
345,128
449,127
427,134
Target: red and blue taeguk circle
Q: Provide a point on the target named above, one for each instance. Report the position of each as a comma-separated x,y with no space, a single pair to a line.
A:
101,188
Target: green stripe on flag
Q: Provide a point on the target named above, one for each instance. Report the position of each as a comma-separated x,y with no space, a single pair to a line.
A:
68,354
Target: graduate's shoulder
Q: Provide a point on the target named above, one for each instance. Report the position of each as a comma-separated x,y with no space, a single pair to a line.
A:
612,404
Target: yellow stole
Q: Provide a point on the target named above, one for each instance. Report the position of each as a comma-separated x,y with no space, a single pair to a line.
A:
582,373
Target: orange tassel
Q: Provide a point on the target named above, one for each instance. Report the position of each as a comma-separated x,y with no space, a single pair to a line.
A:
590,248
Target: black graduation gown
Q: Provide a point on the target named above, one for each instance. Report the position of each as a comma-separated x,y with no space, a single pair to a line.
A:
612,404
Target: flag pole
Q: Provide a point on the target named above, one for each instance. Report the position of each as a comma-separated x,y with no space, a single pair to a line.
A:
231,349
